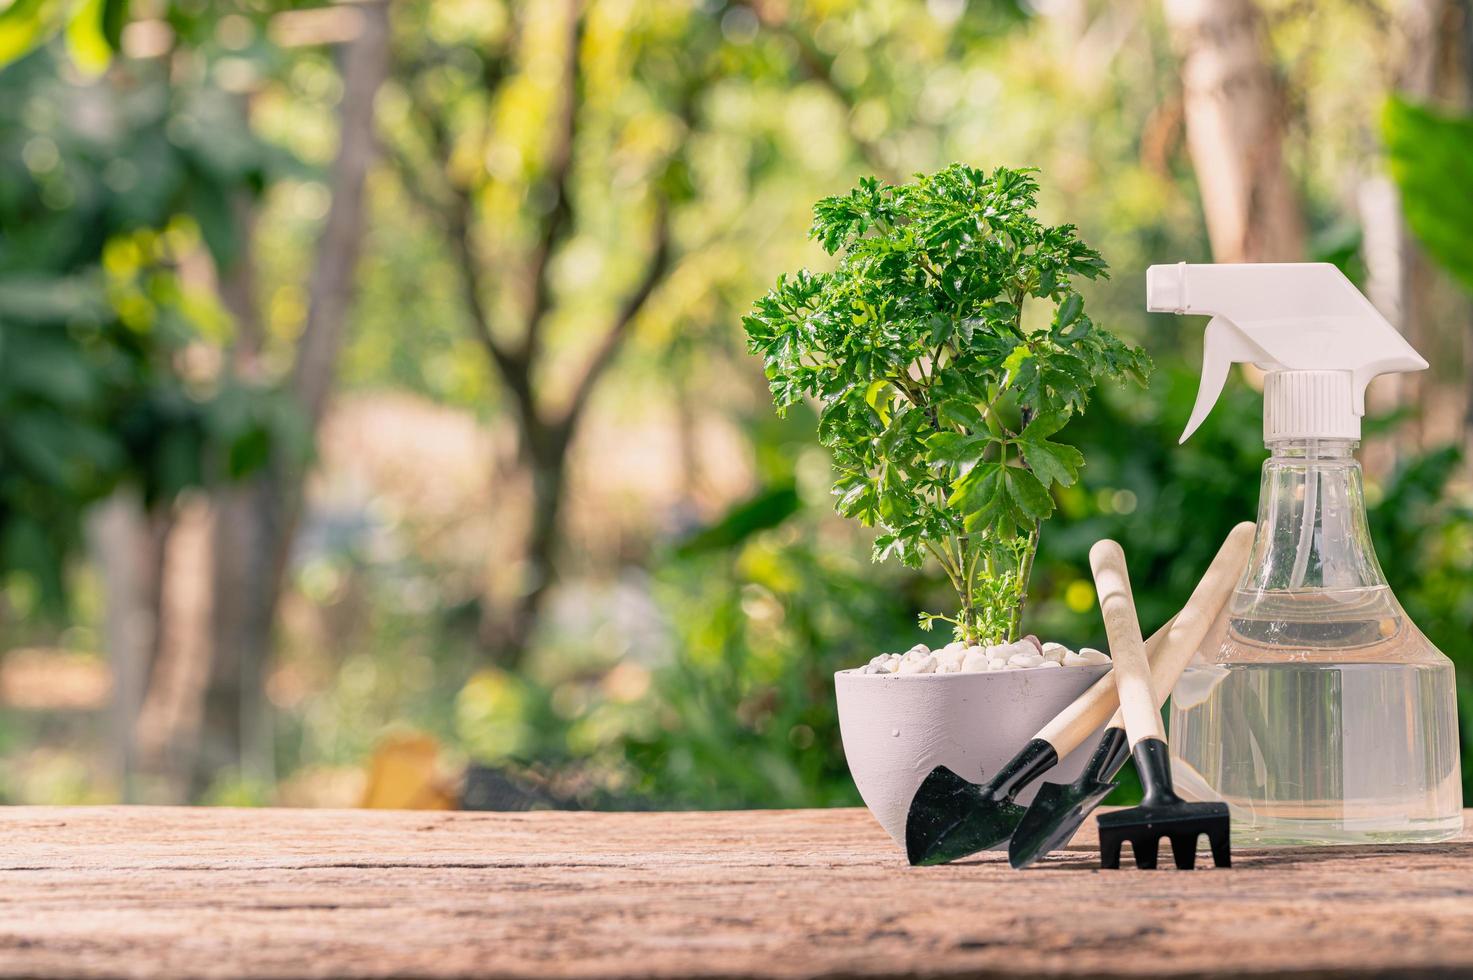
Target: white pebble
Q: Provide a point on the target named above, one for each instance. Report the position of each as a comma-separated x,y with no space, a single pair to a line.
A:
949,661
1055,652
920,665
975,660
958,657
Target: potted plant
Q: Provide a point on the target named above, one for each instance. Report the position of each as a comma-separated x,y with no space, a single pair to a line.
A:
945,351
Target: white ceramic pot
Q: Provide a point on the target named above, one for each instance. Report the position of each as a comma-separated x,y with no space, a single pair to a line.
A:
898,727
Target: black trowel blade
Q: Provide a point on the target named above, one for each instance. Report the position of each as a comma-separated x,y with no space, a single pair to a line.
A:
1055,814
951,817
1059,809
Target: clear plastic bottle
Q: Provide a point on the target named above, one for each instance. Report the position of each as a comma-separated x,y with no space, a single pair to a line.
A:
1319,712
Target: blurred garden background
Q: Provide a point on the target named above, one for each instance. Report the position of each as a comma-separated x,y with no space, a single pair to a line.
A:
376,423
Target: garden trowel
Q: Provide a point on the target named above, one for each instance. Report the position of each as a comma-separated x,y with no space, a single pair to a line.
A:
1059,809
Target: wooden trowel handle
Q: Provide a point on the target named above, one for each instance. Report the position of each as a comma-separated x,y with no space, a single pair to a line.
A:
1169,650
1127,647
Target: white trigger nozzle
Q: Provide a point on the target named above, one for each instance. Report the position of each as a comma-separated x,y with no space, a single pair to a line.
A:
1318,340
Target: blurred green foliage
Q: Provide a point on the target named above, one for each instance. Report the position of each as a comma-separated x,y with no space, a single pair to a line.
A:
1431,157
745,712
104,190
91,29
1424,533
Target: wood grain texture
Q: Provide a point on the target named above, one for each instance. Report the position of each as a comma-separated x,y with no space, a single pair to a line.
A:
224,893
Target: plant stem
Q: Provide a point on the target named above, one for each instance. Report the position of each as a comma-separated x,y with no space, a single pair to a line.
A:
946,565
970,580
1025,571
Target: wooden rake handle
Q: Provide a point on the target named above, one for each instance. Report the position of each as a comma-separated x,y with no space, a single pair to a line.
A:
1127,647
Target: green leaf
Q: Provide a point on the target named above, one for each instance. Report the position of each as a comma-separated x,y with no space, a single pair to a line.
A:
766,509
902,425
1021,355
1044,425
959,413
1031,496
873,398
1051,462
114,19
23,25
1069,310
86,40
1431,159
954,449
980,495
858,501
1075,332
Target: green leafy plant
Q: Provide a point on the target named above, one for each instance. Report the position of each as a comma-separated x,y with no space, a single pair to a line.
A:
941,388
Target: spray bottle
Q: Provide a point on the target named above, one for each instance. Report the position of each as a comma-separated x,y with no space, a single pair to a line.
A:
1318,711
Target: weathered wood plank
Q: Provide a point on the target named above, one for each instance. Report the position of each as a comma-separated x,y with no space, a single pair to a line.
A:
192,892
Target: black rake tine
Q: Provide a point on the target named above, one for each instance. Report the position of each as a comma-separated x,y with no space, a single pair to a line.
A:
1184,850
1146,849
1222,853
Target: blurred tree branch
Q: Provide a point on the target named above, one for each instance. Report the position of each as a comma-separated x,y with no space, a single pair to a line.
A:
555,182
545,430
608,348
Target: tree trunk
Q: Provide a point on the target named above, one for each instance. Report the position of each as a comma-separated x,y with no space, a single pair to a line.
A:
1397,274
546,462
1234,109
366,62
167,729
128,544
254,529
250,534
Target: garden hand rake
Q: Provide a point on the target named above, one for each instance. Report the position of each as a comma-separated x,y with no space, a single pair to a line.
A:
1161,813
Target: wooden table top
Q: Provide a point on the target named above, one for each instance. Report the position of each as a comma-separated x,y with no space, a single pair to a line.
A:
214,892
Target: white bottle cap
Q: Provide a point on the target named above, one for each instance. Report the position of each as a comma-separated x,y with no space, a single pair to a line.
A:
1308,405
